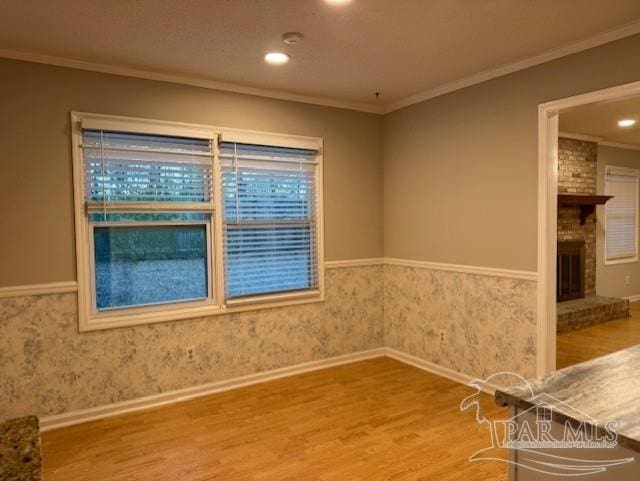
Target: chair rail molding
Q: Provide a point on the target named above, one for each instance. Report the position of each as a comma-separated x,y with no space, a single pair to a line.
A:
39,289
72,286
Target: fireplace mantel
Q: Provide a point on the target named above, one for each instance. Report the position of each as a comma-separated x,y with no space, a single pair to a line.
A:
587,203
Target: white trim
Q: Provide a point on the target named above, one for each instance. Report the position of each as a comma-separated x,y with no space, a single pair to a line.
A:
622,260
139,125
480,271
546,319
627,30
72,286
575,136
38,289
547,212
600,39
88,317
187,80
372,261
602,95
48,423
71,418
619,145
267,138
598,140
633,298
438,370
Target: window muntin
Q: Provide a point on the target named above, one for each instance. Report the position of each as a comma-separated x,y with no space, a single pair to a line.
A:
269,207
621,215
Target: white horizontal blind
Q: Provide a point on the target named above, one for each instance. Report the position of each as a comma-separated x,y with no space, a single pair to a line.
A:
124,168
149,207
621,213
269,217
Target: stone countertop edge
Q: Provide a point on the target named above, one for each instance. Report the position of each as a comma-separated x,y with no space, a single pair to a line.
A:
605,389
20,456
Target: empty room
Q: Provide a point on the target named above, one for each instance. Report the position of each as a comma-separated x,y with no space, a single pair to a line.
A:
319,240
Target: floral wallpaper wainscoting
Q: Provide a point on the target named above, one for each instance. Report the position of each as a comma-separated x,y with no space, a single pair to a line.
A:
47,367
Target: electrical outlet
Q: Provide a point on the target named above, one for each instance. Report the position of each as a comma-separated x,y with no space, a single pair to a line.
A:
191,353
627,280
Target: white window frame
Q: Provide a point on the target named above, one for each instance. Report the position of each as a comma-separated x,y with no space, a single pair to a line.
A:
89,319
625,171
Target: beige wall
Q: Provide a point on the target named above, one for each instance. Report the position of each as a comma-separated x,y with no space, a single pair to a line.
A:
460,186
36,209
610,279
460,171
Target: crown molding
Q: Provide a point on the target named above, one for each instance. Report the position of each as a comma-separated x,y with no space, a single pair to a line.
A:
619,145
187,80
626,30
598,140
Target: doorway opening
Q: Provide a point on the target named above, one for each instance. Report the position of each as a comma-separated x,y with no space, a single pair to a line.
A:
588,229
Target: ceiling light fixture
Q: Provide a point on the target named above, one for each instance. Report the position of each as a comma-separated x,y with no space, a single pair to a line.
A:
626,123
276,58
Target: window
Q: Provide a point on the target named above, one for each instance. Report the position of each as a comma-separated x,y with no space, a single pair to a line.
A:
170,224
621,219
269,202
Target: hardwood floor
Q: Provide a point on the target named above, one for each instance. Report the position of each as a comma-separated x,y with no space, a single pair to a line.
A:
595,341
372,420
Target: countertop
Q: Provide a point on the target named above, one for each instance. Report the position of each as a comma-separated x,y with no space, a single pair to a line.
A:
604,389
20,450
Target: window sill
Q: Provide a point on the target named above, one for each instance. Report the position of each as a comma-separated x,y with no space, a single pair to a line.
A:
626,260
167,314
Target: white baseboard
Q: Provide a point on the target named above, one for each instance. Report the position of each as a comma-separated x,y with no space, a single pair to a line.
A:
634,298
437,369
49,423
76,417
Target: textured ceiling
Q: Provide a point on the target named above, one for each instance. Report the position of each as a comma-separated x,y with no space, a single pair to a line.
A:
600,120
397,47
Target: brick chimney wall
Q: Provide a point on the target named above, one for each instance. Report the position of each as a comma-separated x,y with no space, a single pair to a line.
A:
577,174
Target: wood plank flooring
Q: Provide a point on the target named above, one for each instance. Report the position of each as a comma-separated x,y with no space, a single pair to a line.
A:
595,341
373,420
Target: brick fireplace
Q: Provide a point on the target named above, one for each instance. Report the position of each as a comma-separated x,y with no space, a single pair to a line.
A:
577,171
579,306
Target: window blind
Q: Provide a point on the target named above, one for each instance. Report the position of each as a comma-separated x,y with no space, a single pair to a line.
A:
123,170
621,213
269,217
